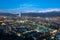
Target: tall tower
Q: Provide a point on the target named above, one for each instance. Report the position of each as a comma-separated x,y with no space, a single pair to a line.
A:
19,14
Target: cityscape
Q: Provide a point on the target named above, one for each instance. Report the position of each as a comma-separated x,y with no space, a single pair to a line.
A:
24,27
29,19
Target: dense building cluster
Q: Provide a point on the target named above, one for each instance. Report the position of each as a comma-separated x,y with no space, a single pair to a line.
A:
29,28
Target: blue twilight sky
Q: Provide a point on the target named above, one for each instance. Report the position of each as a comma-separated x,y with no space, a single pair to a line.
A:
29,4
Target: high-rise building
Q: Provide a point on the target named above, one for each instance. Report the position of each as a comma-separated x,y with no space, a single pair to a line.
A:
19,14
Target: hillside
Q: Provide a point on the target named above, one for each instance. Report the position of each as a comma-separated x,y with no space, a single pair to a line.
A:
46,14
7,14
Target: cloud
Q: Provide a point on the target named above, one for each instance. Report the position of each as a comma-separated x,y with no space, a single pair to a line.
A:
43,10
29,8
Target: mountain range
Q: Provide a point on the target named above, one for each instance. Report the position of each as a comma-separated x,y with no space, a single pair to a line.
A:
34,14
43,14
7,14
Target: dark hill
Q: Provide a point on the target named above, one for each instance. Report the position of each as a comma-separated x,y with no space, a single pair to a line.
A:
7,14
46,14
